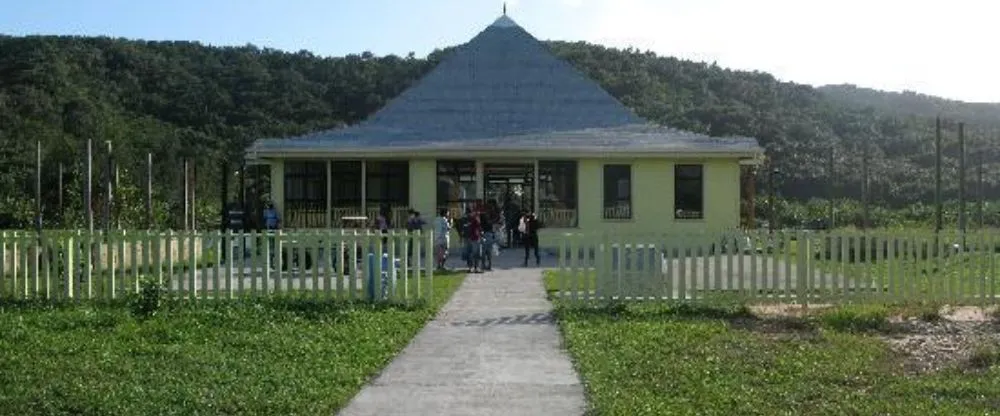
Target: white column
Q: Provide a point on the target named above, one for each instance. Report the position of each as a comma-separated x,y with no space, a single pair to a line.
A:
480,182
534,186
329,195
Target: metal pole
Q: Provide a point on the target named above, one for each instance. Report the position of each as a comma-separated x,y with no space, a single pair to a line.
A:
772,176
864,185
89,190
225,195
938,208
194,200
38,186
830,178
961,177
108,197
60,190
186,195
980,190
149,190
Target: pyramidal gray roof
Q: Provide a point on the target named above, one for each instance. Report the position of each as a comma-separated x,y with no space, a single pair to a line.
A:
502,88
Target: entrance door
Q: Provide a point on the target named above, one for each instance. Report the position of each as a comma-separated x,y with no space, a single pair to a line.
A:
512,186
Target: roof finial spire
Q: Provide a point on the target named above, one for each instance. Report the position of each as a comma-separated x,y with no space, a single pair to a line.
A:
504,8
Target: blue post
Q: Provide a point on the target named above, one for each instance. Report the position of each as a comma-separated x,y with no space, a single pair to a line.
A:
385,275
371,276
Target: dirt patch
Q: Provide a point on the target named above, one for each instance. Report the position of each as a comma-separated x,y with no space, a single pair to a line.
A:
932,346
956,337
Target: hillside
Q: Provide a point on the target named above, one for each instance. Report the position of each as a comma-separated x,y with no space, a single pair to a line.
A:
912,103
184,99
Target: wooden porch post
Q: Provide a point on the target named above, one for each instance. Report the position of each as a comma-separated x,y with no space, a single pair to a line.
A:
534,187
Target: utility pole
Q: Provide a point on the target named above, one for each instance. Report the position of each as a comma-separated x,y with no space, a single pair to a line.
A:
89,190
980,190
830,178
149,191
194,199
864,185
109,197
186,195
961,178
225,195
938,208
62,211
38,186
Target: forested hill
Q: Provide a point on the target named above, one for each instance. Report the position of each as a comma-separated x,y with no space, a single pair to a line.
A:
184,99
912,103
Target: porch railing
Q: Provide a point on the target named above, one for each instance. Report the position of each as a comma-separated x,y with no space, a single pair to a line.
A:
797,267
305,214
75,265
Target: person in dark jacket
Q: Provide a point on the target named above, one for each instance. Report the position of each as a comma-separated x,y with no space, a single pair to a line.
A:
530,237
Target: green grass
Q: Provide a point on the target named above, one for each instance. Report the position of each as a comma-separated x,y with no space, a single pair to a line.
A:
653,359
269,356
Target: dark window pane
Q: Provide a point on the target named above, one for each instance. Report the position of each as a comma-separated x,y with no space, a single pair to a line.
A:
688,192
617,191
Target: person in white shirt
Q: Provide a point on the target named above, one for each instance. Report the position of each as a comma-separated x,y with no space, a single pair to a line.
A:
442,232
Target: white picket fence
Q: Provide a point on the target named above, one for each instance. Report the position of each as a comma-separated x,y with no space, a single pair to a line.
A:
792,266
348,264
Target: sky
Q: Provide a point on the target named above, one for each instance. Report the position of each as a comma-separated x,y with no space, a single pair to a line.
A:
936,48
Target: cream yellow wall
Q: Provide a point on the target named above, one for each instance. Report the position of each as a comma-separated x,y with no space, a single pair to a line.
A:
423,187
278,186
653,197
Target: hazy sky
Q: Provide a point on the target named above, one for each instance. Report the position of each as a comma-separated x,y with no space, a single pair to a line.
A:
938,48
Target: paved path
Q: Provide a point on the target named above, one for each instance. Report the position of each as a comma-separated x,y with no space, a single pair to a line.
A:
492,350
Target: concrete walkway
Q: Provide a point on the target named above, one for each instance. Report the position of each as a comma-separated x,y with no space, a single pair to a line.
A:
493,349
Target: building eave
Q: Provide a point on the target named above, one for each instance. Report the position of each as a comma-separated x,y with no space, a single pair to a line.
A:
520,153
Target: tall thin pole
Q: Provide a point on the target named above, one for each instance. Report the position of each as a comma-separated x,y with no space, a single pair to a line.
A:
89,190
961,177
772,210
109,197
149,190
830,178
865,184
938,208
243,185
194,199
38,186
980,190
60,190
225,195
187,194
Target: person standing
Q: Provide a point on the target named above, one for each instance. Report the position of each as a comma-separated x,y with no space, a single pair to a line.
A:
442,236
272,222
529,237
413,225
471,232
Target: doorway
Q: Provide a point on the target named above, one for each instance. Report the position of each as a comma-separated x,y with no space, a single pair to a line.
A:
512,187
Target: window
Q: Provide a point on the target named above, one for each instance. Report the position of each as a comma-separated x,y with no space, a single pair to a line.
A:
689,192
305,194
557,190
345,184
617,192
456,185
387,183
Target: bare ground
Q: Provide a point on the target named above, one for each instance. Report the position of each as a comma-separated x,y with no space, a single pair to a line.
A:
965,337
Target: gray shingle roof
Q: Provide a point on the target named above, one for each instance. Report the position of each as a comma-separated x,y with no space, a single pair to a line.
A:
505,90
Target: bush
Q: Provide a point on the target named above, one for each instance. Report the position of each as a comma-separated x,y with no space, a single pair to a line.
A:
150,298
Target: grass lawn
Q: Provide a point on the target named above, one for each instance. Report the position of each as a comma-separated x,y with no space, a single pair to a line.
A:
649,359
274,356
